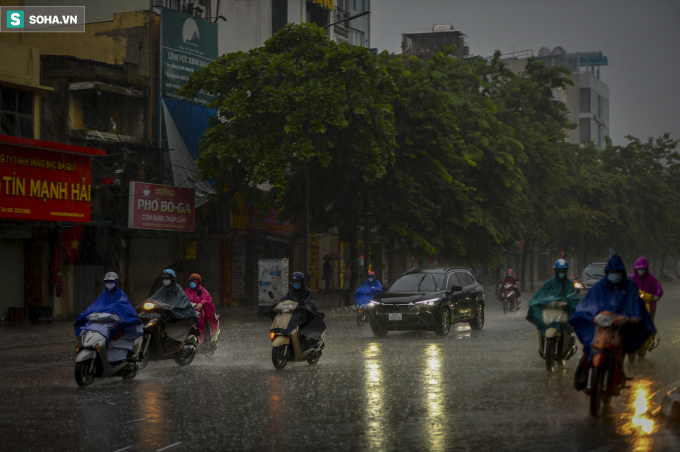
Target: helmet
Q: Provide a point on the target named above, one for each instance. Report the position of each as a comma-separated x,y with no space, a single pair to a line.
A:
561,263
195,276
298,277
509,272
168,273
110,276
371,274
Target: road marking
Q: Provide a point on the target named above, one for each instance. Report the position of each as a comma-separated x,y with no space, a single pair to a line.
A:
134,420
124,448
168,447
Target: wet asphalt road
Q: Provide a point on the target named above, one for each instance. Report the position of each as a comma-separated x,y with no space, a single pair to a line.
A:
470,391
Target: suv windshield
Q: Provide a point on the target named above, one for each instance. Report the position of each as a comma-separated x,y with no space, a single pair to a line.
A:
593,272
419,282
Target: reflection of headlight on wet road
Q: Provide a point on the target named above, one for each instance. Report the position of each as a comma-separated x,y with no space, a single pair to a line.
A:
374,405
435,431
641,422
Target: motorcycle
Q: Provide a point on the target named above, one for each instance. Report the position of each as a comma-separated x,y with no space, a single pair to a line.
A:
508,295
291,347
557,344
208,347
605,370
92,348
165,340
651,343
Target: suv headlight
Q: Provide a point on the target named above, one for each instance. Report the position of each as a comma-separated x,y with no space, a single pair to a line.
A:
429,302
373,303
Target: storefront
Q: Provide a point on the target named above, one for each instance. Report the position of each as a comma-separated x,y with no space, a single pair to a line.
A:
45,195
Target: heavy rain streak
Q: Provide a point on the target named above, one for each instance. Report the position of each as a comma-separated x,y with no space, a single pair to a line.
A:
340,225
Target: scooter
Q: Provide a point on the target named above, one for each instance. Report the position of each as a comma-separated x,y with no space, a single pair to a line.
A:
509,298
605,370
290,347
92,358
175,340
208,347
651,343
557,345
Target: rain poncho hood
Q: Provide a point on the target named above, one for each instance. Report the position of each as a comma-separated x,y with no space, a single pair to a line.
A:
623,299
179,306
367,291
111,302
306,315
554,289
647,282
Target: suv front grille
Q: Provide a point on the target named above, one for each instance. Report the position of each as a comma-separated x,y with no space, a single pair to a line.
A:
397,308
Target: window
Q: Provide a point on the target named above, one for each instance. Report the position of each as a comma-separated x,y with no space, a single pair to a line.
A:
464,279
96,110
453,280
357,38
279,15
16,112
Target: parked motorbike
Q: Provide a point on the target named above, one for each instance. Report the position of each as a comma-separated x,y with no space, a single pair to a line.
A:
92,348
651,343
557,344
166,340
509,298
292,347
605,370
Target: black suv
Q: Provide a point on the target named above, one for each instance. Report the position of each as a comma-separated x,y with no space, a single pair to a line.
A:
429,300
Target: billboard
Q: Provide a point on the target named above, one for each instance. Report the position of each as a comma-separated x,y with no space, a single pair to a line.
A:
38,184
161,207
187,44
272,277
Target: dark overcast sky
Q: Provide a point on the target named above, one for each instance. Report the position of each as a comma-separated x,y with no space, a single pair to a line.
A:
641,40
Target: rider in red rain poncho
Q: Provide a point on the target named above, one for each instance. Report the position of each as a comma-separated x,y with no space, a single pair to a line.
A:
509,279
205,308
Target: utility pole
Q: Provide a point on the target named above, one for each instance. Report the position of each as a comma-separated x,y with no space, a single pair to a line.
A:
307,223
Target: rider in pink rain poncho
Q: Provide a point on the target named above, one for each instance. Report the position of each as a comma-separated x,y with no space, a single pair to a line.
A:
647,283
204,306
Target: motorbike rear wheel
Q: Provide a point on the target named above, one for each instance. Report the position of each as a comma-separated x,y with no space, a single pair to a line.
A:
279,359
184,359
444,325
598,390
129,375
548,347
82,373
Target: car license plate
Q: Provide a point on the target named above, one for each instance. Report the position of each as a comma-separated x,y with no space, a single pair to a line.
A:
394,316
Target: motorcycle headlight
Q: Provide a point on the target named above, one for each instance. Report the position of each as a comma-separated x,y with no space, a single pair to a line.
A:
148,306
284,308
578,285
605,320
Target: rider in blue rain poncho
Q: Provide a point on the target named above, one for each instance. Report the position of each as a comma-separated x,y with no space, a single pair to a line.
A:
369,289
120,331
618,293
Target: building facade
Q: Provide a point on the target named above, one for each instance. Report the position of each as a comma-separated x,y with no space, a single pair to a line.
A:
587,100
423,43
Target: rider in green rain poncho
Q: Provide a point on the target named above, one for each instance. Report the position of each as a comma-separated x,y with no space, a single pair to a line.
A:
559,288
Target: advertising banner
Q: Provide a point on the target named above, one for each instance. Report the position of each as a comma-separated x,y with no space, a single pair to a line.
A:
187,44
161,207
39,184
272,277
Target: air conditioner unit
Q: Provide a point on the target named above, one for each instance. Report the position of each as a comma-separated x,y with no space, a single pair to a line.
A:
199,11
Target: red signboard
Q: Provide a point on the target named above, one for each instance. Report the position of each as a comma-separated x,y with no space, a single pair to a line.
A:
41,184
162,207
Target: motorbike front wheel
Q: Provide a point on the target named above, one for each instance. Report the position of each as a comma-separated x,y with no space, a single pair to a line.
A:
506,307
314,359
361,318
279,358
598,390
82,373
548,347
